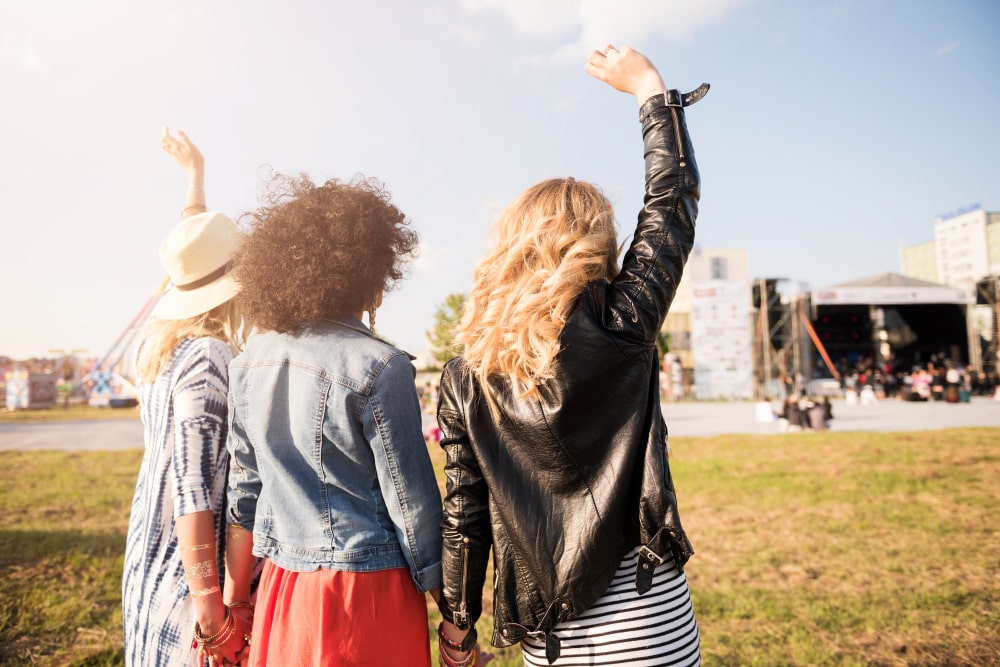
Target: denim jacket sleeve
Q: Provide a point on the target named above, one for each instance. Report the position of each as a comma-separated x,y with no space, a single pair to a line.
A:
244,476
405,473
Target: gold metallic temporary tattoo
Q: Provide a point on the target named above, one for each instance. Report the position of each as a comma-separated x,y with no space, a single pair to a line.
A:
201,570
205,591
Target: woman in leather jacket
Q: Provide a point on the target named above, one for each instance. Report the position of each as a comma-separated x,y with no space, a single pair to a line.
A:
556,446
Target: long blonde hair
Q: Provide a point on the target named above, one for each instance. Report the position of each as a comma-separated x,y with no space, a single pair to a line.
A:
161,337
550,242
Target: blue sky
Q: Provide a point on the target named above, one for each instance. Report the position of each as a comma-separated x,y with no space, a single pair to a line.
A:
834,129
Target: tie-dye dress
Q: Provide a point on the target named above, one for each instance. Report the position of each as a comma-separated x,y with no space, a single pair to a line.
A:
183,471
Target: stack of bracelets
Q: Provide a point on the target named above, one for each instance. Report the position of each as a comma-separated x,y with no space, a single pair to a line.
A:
467,644
211,642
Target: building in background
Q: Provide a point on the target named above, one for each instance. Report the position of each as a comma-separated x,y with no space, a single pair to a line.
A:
720,271
965,254
965,249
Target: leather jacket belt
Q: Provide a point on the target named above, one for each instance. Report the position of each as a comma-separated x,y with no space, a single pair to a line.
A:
648,562
674,98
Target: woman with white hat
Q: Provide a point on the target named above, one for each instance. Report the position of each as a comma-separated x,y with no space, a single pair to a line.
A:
172,579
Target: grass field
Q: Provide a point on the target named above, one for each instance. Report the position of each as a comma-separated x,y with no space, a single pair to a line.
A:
813,549
74,412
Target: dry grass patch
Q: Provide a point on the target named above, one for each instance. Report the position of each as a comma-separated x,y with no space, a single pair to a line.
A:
844,549
813,549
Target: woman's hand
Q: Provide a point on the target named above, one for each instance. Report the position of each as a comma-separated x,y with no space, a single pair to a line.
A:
234,650
183,150
626,70
482,657
244,610
188,156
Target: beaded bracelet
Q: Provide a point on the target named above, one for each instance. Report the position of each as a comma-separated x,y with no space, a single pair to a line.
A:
444,660
467,643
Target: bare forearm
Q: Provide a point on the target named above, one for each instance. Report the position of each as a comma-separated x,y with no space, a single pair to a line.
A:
194,202
197,542
240,563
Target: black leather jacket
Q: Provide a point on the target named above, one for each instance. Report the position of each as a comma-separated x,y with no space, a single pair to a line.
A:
563,487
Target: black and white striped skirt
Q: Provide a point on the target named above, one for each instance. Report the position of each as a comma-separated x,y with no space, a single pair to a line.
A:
657,628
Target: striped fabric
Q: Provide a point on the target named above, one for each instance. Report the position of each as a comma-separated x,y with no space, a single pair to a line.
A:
183,471
624,628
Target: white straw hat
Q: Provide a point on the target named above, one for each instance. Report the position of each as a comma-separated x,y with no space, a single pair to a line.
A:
197,255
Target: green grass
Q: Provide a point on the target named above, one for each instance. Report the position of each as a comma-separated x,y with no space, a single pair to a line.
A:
812,549
63,517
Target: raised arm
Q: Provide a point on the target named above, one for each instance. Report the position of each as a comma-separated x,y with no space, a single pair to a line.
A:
637,300
190,158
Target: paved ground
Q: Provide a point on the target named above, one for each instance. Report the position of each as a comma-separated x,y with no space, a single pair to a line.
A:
702,419
683,419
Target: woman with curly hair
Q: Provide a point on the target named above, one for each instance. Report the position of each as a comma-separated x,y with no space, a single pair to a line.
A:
550,419
330,479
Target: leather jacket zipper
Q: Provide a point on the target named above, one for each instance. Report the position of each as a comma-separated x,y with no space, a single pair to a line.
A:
677,134
462,615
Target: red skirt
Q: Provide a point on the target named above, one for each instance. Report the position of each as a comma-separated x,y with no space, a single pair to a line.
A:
328,618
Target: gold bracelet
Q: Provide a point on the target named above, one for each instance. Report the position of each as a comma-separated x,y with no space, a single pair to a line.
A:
198,547
241,603
230,631
202,640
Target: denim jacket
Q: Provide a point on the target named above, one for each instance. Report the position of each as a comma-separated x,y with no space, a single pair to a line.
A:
329,468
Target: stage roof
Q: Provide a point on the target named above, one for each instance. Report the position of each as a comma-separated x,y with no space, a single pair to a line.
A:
888,289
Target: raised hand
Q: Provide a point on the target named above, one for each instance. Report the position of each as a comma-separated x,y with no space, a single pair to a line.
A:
627,70
188,156
183,150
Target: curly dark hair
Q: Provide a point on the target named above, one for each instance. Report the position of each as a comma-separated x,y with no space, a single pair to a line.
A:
320,251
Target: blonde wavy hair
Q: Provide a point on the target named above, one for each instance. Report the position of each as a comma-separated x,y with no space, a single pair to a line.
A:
161,337
549,243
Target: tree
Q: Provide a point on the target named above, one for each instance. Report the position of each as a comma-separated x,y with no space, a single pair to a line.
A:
442,337
663,340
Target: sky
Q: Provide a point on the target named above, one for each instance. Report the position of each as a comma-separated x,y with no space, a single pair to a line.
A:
834,130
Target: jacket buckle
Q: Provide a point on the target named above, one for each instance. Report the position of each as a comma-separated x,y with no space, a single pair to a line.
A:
648,560
650,555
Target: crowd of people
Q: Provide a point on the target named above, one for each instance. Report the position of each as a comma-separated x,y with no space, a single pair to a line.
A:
801,412
286,510
937,380
865,382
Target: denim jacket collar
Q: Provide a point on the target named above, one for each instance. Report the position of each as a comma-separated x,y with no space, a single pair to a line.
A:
354,323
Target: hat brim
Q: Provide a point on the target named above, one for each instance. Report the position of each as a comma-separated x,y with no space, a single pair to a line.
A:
178,305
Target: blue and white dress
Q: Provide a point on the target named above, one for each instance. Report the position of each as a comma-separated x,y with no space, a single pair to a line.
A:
184,413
